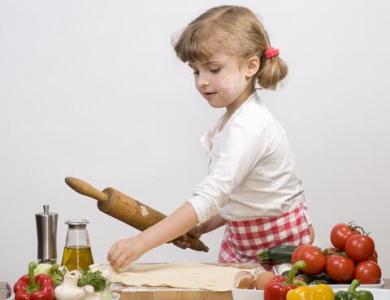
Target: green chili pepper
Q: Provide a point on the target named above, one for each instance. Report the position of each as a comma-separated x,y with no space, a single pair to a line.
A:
352,294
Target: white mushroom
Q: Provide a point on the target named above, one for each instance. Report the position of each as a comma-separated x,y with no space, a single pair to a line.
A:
90,293
69,290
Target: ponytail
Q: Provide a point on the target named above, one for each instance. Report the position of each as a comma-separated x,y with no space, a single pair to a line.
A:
271,72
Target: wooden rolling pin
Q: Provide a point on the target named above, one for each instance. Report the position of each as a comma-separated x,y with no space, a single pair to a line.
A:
126,209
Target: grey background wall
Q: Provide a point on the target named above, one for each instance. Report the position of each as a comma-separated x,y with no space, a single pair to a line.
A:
93,89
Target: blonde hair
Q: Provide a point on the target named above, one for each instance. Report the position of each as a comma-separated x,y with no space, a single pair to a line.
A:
235,30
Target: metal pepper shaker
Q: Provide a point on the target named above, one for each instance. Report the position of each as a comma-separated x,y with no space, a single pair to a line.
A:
46,223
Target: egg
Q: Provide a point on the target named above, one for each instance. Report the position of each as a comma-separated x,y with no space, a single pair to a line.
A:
244,280
262,278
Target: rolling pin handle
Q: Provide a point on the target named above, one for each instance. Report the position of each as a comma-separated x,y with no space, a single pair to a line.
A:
86,189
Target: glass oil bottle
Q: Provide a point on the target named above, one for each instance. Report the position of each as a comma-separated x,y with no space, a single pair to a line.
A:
77,251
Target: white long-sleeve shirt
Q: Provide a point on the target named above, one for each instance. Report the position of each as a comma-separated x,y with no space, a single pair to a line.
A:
251,171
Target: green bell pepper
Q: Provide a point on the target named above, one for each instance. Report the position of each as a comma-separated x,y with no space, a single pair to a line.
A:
352,294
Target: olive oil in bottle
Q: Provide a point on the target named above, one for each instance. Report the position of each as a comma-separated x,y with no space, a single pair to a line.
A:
77,252
77,258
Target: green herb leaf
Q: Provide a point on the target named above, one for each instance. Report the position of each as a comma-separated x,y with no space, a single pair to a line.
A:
95,279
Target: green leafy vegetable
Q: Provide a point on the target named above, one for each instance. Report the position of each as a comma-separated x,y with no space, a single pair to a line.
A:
52,270
95,279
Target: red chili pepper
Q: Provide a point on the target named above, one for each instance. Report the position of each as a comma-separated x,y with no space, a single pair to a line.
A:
278,287
28,287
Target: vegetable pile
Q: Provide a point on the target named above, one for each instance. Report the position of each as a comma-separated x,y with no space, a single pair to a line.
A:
48,282
352,256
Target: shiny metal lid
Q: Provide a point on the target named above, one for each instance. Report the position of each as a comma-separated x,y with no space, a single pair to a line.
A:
77,223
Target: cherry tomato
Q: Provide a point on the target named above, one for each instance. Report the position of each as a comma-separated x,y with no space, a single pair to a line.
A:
359,247
340,268
340,233
374,257
368,272
312,256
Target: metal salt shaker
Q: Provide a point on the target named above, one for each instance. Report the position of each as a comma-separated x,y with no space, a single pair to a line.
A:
46,223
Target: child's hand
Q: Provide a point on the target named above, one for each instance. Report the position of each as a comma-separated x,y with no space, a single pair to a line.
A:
123,252
184,243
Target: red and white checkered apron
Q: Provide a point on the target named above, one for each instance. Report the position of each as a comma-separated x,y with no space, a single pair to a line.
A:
244,239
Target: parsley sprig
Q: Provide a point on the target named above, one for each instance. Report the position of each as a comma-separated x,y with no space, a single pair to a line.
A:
95,279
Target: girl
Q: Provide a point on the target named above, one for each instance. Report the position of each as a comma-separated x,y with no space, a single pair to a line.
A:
251,184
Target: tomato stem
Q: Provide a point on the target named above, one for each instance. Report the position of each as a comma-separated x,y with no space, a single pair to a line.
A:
356,227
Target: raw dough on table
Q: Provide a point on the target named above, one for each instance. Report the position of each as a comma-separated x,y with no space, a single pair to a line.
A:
181,275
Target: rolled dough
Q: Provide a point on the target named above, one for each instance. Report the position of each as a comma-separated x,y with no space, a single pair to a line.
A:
178,275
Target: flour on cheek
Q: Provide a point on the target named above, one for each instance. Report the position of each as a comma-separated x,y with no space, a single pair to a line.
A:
232,87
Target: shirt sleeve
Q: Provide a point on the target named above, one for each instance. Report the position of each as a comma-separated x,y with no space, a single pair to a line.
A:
235,154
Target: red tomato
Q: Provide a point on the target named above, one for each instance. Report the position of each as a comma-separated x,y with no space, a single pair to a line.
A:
297,252
312,256
340,268
374,257
359,247
368,272
340,233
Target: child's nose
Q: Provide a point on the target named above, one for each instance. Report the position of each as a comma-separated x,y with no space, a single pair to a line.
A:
203,82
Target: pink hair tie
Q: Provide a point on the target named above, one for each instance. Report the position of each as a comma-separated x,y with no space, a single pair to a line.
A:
271,52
